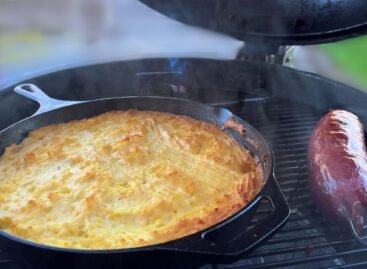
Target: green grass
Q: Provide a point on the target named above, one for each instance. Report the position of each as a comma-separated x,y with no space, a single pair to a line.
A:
351,57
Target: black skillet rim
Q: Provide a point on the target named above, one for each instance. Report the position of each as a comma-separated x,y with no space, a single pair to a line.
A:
161,246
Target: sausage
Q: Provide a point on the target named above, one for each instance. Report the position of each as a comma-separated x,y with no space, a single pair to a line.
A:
337,165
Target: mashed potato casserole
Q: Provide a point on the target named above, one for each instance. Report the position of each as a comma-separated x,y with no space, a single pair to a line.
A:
123,179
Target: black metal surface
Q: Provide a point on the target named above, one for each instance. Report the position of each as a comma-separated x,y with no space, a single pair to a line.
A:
281,103
278,21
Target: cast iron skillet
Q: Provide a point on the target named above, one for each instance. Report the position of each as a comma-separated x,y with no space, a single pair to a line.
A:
229,237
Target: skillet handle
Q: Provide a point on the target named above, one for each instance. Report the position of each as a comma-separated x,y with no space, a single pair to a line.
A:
46,103
213,241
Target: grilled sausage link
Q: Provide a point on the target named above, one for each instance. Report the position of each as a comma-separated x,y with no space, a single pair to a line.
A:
337,164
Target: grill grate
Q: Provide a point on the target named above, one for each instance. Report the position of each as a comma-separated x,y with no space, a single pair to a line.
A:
307,240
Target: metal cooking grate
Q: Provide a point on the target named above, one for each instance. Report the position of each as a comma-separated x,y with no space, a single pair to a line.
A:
307,240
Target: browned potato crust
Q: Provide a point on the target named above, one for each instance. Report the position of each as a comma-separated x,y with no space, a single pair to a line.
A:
123,179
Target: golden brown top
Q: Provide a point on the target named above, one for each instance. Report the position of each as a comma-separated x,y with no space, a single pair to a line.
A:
122,179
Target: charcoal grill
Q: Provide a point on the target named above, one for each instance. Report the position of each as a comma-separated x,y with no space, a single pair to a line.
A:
283,104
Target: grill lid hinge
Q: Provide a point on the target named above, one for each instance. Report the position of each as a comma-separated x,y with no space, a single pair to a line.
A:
258,52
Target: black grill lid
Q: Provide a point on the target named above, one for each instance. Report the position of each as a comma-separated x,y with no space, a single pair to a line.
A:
279,21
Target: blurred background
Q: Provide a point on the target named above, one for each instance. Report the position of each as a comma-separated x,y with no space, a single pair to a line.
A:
40,36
